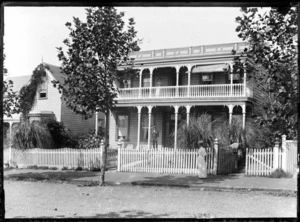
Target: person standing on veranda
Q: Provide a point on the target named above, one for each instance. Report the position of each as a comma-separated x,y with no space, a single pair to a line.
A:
154,135
202,169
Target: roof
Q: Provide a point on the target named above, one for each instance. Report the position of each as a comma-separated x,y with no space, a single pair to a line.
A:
56,72
18,81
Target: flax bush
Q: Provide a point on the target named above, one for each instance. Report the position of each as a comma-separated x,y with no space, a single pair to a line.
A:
200,128
253,136
32,135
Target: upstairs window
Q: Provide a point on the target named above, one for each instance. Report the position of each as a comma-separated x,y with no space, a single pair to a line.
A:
146,80
43,90
207,78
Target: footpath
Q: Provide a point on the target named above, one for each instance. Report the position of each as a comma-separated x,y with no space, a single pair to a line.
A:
212,182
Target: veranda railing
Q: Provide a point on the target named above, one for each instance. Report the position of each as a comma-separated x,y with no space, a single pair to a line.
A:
216,90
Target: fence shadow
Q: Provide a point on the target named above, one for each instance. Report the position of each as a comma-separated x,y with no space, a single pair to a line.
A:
129,214
59,175
186,179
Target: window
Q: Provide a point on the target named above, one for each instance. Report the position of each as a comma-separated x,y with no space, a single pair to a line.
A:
207,77
122,127
144,130
145,126
43,89
146,80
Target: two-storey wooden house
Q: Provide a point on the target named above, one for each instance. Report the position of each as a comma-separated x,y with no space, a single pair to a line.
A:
49,104
173,84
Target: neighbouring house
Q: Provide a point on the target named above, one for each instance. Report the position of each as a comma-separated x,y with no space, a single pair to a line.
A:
18,83
48,103
175,83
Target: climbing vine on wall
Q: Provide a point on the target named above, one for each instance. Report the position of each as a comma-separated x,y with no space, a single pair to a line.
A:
28,92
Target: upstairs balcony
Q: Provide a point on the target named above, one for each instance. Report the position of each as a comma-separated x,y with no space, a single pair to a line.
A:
192,91
191,73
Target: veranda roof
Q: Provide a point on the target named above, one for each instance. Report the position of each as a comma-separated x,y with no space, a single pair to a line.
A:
211,68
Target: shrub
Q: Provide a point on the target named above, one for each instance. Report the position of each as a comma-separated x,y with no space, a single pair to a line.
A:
279,173
95,169
78,168
253,136
198,129
33,167
5,133
64,168
90,140
202,128
59,134
32,135
52,168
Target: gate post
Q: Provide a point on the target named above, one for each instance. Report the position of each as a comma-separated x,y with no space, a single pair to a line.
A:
216,149
275,155
284,152
120,146
102,151
9,155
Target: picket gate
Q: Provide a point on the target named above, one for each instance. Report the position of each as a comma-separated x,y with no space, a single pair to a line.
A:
262,162
227,161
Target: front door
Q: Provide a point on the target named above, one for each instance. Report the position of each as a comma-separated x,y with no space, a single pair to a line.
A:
168,128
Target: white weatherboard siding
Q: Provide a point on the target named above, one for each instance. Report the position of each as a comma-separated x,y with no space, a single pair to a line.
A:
75,122
51,103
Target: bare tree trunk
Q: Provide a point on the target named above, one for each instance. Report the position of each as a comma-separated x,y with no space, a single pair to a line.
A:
104,152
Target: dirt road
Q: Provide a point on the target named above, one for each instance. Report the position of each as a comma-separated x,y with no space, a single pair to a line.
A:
38,199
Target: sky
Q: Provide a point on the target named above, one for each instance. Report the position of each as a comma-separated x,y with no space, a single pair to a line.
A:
31,34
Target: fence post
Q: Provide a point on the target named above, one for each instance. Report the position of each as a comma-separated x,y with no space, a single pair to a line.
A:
284,156
275,155
101,151
102,145
119,160
10,154
120,146
216,149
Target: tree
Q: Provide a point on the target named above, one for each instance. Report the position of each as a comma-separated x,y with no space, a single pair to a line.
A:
271,60
10,98
94,51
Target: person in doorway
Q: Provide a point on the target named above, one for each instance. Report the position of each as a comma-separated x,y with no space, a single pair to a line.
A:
154,135
202,170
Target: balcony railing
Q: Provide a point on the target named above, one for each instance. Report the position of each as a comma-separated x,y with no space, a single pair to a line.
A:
188,51
193,91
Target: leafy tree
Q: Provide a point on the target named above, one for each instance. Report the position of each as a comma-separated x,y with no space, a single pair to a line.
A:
95,49
271,60
10,97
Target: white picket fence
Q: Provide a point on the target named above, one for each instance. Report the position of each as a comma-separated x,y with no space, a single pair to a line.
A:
64,157
262,162
163,160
